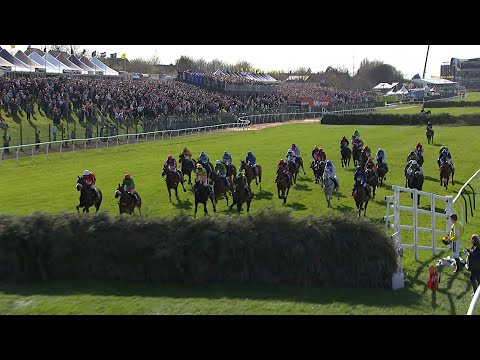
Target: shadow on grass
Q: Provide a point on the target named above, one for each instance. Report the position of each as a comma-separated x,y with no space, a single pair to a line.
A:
316,295
295,206
261,195
182,205
302,187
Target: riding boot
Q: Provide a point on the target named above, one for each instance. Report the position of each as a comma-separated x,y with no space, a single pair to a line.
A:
335,182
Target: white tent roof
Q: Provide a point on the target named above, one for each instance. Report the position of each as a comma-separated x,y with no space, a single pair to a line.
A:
17,65
385,86
50,68
107,70
402,91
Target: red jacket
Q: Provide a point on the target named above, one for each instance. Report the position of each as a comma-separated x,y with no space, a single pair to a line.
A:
90,178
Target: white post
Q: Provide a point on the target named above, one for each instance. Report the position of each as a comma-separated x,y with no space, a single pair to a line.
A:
18,149
415,223
48,145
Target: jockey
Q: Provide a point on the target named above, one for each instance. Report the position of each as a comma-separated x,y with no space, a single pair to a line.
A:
381,157
129,186
429,126
243,180
445,156
412,156
251,160
370,165
357,143
203,158
361,175
412,167
329,172
356,135
419,149
367,151
284,166
90,180
322,155
316,154
291,157
344,142
187,154
221,170
171,164
296,150
201,178
227,158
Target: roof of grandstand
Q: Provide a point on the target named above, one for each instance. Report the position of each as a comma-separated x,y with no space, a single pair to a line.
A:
260,77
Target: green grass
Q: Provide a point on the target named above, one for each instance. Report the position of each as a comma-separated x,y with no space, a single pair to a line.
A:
138,299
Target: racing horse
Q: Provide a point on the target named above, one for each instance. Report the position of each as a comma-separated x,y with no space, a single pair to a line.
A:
357,156
293,170
127,203
87,196
251,174
372,180
201,197
284,182
445,172
361,197
220,188
415,181
241,194
173,179
187,167
430,134
299,163
318,168
346,154
328,189
381,172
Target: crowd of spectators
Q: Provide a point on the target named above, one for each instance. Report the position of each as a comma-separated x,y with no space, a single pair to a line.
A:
152,105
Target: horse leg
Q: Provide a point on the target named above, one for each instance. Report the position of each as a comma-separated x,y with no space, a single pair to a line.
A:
279,196
213,204
169,193
181,183
453,182
248,205
365,209
205,211
176,192
78,209
196,207
304,173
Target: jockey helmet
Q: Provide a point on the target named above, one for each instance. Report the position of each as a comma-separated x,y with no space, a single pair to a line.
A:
429,123
453,216
203,153
170,157
199,166
294,146
419,145
218,162
328,162
127,177
185,149
282,161
249,153
86,173
225,153
343,137
380,149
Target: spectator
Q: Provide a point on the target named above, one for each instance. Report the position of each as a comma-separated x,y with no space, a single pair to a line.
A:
473,262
